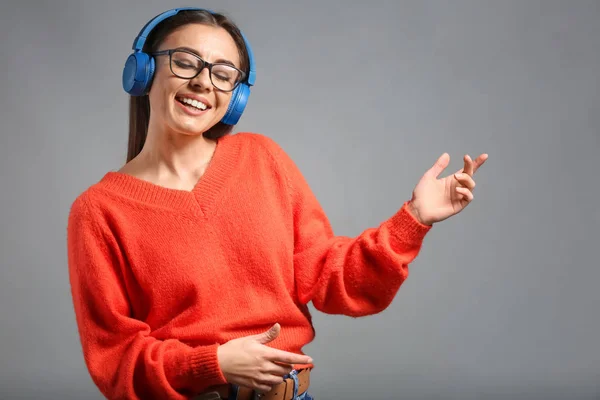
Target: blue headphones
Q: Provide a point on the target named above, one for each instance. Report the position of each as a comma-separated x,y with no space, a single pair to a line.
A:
139,69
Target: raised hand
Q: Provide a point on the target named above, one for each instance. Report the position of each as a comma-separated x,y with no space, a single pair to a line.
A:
434,199
248,362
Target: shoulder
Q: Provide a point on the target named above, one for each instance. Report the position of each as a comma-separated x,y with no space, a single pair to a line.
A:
264,150
257,141
82,220
88,204
263,146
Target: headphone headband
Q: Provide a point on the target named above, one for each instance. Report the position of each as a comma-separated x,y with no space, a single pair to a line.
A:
140,39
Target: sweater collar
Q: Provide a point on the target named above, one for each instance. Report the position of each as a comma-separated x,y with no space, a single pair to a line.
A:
200,198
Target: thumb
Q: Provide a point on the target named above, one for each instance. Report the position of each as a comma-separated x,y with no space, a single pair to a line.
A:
269,335
439,166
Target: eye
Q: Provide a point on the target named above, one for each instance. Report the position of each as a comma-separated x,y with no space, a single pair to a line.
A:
222,77
225,73
183,64
184,60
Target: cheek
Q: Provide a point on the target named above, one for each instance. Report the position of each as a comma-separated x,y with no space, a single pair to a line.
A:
157,94
161,94
158,103
223,100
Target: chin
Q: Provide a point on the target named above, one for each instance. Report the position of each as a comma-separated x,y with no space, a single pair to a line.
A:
188,126
192,129
192,134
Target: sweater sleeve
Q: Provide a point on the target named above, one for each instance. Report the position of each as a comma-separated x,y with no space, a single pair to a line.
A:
343,275
122,357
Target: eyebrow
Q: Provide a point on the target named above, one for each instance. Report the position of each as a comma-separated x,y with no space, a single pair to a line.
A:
219,61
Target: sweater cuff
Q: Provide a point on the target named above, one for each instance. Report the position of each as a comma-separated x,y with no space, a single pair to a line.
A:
406,228
204,366
199,370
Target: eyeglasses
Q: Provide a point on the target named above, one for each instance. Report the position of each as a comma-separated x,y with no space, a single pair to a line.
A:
187,65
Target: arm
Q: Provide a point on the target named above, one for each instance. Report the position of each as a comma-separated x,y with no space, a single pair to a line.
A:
124,360
342,275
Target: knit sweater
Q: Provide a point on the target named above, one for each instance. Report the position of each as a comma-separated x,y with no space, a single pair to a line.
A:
161,277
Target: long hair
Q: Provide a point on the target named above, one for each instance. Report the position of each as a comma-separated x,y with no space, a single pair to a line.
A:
139,106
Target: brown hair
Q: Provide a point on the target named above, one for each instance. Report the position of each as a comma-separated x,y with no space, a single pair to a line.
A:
139,106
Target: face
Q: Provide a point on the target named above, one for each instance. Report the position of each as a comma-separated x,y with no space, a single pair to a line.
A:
212,44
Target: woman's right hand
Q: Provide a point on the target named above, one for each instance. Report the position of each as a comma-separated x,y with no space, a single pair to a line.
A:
248,362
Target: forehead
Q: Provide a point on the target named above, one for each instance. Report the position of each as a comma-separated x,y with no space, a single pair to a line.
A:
210,42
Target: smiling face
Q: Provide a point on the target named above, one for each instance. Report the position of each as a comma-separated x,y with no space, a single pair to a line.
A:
191,106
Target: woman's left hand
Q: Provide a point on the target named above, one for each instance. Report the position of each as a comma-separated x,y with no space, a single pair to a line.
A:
435,199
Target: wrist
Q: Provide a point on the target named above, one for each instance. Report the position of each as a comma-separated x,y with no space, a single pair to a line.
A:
414,211
221,361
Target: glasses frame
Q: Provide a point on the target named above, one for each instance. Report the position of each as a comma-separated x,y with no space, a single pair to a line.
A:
204,64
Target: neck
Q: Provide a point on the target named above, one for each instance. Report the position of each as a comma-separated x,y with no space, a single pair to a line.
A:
170,155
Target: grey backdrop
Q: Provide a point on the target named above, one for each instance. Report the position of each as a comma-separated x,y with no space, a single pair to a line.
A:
503,299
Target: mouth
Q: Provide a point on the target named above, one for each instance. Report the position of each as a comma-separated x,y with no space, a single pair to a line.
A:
192,104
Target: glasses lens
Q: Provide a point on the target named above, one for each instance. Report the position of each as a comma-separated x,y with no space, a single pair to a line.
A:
184,65
225,77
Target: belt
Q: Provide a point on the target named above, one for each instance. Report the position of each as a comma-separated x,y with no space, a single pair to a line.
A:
283,391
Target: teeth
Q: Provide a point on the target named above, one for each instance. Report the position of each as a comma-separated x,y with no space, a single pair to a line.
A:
194,103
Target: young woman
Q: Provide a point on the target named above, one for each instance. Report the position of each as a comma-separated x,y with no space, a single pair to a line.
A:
192,266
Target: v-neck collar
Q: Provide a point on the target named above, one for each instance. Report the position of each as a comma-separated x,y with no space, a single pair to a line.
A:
202,196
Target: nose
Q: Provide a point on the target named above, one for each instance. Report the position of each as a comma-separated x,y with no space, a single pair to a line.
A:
202,80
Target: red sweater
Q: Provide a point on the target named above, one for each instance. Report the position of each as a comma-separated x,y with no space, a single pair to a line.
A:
161,277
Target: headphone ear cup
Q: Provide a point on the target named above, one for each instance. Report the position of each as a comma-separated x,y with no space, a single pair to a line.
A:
138,73
150,75
237,104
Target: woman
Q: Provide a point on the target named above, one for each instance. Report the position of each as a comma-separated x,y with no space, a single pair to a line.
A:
192,266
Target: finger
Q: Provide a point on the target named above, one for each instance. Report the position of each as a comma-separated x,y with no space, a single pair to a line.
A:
270,380
468,168
278,369
476,164
269,335
465,180
287,357
479,162
439,166
465,193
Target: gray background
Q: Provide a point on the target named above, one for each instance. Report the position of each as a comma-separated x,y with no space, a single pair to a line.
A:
503,299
